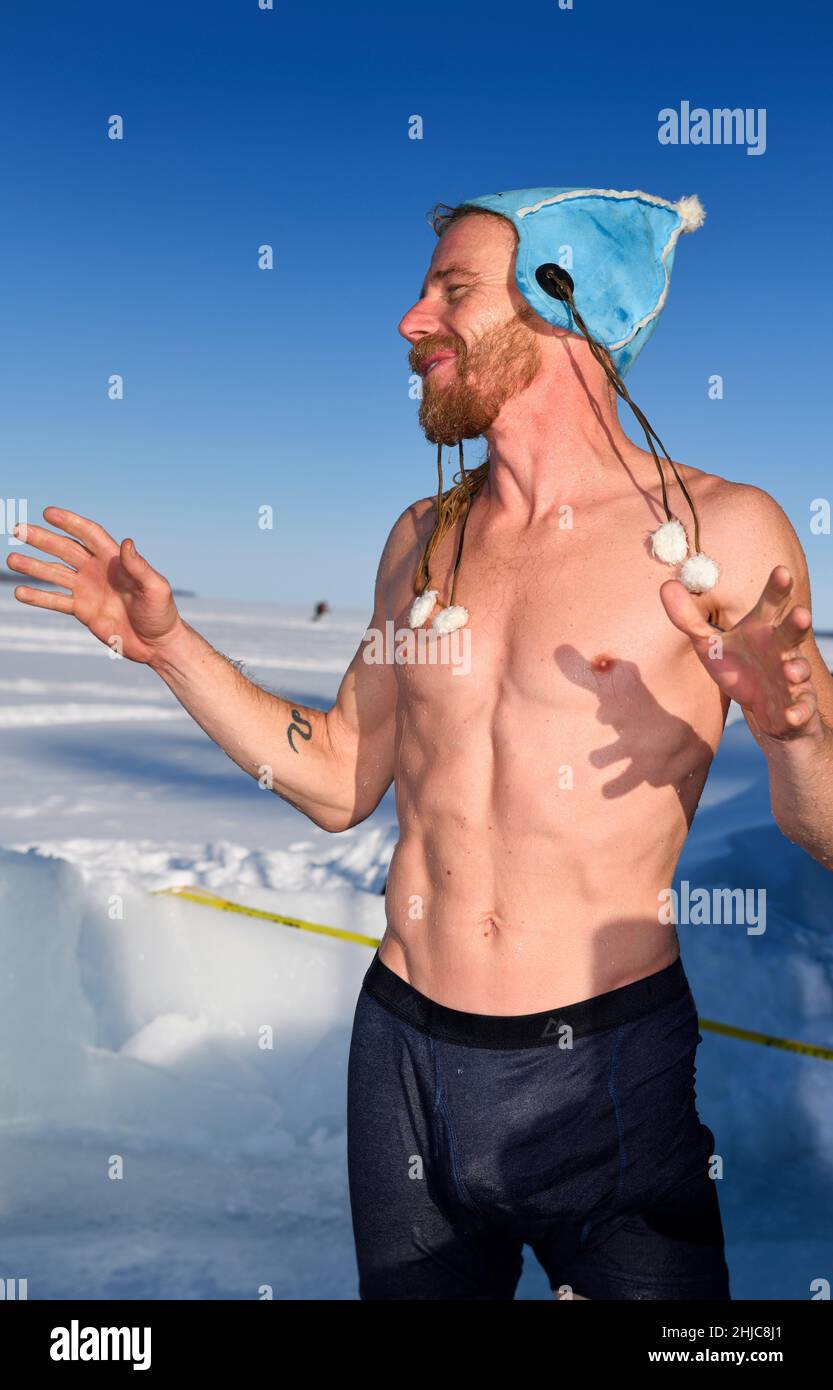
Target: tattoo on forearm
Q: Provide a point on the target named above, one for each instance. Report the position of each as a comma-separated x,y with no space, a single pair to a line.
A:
296,729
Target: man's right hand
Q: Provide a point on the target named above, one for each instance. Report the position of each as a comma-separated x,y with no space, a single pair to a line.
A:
114,592
333,765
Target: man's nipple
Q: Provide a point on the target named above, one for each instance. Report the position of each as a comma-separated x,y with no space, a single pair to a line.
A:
603,662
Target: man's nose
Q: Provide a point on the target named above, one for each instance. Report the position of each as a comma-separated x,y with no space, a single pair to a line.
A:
420,321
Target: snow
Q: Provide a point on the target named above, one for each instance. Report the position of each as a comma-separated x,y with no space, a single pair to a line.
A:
207,1050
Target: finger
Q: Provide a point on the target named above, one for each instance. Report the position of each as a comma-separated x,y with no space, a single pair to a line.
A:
40,598
135,564
797,669
683,611
51,542
94,537
777,588
141,571
794,628
802,708
42,569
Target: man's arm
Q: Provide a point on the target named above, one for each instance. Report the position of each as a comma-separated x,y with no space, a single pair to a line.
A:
801,760
801,791
766,658
334,766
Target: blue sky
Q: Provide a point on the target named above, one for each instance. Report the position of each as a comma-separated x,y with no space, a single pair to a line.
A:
290,387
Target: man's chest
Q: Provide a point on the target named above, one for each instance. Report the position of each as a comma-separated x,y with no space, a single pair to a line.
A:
558,627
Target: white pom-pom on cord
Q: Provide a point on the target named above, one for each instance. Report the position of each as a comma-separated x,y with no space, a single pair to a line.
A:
450,618
691,212
421,607
669,542
699,573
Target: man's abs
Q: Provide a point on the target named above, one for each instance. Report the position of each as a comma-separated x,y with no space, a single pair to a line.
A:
511,909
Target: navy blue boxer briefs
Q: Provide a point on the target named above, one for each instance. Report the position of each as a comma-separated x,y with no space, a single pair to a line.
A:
573,1131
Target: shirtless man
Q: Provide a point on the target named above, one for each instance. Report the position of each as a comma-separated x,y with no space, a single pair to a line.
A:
522,1059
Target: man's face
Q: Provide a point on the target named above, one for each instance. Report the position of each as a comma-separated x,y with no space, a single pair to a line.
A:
472,333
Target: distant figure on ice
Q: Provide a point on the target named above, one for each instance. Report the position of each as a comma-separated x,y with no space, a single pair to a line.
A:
320,609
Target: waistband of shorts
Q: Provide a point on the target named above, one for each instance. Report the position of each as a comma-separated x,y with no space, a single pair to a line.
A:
608,1010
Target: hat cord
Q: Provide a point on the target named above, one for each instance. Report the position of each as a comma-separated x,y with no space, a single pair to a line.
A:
464,482
432,541
622,390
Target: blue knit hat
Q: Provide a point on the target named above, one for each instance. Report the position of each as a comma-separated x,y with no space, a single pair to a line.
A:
618,249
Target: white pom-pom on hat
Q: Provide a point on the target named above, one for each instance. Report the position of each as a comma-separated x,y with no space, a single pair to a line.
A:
421,607
450,618
669,542
699,573
691,212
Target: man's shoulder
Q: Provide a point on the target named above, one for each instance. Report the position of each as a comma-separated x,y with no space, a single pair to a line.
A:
406,539
741,513
416,512
747,532
412,526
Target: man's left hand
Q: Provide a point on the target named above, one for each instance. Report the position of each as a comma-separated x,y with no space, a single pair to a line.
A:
758,662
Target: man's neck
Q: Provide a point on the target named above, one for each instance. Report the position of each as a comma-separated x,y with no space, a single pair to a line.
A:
551,445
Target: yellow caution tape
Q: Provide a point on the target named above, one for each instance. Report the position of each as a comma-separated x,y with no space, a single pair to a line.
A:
201,895
808,1049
